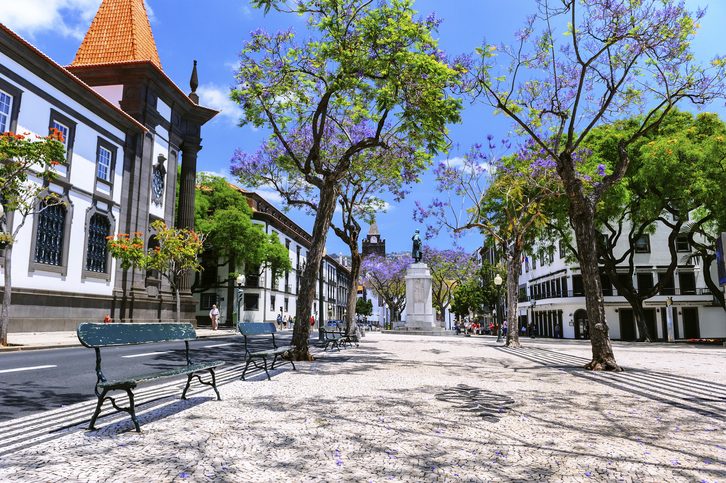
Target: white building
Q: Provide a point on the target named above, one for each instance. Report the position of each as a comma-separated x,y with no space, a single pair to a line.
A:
551,293
262,298
127,127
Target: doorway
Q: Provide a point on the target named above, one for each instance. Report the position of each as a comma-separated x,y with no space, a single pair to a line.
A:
582,329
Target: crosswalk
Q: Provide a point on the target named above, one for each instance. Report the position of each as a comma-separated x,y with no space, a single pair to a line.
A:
35,429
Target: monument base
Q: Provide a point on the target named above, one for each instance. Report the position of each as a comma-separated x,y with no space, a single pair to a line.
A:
419,301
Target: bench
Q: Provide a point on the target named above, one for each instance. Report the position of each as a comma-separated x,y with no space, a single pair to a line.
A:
332,338
251,329
335,337
97,336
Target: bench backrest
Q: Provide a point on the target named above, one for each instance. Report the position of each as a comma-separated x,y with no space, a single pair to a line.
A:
102,335
256,328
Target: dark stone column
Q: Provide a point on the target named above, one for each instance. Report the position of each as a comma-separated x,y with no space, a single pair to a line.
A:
185,216
187,186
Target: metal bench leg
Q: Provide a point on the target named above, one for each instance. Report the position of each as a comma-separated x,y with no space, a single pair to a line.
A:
96,413
189,381
214,383
274,359
264,361
246,366
132,410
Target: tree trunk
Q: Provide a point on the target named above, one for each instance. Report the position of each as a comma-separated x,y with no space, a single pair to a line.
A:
7,293
351,325
178,302
513,267
306,296
582,216
644,334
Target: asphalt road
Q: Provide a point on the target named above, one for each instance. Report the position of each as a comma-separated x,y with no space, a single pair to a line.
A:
36,381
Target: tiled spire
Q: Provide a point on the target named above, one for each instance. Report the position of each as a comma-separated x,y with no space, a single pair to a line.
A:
120,32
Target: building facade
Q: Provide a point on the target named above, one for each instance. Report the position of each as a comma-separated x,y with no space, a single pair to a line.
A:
127,128
263,297
551,295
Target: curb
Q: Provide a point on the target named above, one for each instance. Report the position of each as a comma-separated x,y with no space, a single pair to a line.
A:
18,348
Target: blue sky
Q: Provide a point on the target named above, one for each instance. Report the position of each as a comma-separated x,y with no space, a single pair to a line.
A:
214,32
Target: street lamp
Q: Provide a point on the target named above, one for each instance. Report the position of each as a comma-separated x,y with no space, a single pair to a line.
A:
240,282
498,283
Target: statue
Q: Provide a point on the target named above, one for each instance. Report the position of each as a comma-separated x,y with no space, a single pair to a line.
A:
416,252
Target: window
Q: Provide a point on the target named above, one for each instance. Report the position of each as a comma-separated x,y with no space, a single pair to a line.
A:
682,244
667,287
287,304
642,244
252,301
103,164
6,108
97,248
577,286
207,300
50,234
272,303
687,282
67,128
561,247
645,281
62,129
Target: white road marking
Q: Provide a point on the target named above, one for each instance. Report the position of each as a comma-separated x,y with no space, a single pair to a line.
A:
146,354
218,345
25,369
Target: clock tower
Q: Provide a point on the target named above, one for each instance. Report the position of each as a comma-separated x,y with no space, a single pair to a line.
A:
374,244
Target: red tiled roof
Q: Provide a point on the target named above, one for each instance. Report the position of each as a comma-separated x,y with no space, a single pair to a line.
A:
120,32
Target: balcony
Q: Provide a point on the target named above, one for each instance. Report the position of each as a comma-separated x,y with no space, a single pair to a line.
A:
610,293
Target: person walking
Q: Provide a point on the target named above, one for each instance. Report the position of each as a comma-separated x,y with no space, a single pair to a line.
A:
279,321
214,315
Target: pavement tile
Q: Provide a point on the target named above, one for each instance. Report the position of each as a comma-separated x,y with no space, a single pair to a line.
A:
416,408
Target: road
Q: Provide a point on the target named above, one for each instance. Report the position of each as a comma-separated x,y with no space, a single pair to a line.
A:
45,391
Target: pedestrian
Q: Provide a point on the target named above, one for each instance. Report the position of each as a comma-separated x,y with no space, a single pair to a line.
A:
279,321
504,328
214,315
312,320
532,330
107,319
524,330
557,330
456,328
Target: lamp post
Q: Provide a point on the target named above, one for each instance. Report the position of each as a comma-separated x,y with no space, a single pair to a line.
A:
498,283
669,319
240,283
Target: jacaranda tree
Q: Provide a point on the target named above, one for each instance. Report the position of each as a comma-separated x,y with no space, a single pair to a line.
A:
576,64
369,77
450,268
507,199
386,276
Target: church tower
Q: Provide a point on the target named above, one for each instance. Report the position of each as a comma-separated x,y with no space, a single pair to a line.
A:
118,58
373,243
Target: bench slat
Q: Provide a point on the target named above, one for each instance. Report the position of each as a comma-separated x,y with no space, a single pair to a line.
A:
101,335
257,328
177,371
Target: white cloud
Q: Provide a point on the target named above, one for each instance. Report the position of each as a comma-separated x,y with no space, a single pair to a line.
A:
69,18
34,16
218,98
457,162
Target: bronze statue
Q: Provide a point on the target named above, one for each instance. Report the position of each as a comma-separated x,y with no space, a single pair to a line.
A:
416,252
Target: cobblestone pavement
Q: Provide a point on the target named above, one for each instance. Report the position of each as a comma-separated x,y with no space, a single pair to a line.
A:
423,409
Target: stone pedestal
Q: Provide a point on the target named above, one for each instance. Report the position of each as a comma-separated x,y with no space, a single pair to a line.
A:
419,301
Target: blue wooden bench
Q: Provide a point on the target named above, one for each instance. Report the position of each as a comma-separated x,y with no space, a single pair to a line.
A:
96,336
249,331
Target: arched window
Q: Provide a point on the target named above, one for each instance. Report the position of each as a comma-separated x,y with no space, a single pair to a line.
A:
49,237
99,228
